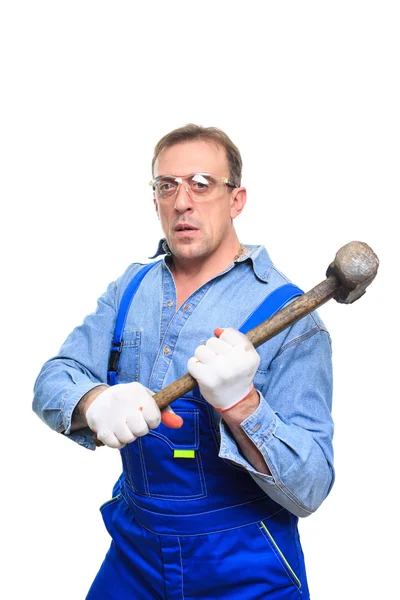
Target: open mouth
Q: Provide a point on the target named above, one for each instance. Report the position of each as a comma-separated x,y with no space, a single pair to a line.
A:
185,227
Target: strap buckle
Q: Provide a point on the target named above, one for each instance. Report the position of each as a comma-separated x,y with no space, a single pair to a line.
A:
113,360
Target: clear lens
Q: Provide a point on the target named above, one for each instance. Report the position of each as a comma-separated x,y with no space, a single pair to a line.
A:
166,187
199,186
202,185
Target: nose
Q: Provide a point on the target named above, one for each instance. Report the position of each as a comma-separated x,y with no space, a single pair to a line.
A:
183,201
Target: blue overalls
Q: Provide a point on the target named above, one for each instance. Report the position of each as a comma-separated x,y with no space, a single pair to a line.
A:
186,524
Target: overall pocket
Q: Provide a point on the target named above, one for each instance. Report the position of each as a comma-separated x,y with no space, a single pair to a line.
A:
108,510
166,463
109,502
280,555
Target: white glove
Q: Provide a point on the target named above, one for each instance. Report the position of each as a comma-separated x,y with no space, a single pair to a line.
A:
124,412
224,368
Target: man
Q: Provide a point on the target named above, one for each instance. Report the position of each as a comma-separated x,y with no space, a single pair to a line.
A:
208,501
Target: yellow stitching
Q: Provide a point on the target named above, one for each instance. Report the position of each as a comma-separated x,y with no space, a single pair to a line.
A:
282,556
110,500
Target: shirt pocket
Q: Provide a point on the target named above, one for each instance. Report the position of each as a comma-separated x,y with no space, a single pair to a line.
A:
166,463
129,362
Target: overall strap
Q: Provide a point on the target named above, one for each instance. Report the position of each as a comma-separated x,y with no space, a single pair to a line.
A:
116,344
270,305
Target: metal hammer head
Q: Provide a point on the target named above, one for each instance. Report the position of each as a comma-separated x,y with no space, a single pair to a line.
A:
355,266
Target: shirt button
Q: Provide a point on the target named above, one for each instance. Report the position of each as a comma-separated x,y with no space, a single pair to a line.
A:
166,350
186,308
170,303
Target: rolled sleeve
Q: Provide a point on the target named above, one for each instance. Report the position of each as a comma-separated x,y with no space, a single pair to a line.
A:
258,427
80,366
292,427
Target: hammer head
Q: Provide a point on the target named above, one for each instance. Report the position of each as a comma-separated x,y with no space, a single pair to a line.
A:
355,266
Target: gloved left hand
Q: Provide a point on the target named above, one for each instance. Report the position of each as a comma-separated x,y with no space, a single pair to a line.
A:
224,368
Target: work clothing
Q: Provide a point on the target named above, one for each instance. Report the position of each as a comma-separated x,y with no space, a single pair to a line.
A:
258,561
198,507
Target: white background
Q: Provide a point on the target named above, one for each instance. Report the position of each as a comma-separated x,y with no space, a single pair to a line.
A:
309,91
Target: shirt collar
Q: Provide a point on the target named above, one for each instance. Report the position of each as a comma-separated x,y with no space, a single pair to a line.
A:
162,248
258,256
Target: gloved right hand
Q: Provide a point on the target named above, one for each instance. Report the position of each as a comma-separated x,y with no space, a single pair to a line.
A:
124,412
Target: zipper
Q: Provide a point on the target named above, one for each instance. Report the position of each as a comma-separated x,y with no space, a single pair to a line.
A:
293,574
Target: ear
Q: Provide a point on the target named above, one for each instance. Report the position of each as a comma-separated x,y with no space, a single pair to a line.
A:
238,201
156,207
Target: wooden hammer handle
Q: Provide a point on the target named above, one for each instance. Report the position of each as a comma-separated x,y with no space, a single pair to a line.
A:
284,318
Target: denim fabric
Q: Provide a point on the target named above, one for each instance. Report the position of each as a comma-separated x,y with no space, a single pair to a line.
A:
292,427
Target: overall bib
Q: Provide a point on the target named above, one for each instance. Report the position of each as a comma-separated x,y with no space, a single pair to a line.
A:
187,524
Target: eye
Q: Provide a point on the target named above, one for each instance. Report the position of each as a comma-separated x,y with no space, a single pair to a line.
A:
200,183
166,188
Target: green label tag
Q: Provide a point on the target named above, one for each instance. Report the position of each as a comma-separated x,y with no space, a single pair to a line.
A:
183,453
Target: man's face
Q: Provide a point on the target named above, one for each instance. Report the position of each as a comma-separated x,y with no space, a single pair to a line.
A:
208,224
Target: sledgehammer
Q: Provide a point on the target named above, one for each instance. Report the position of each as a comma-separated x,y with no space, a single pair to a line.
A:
347,278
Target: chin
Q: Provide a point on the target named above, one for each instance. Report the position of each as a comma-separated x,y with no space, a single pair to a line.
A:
188,251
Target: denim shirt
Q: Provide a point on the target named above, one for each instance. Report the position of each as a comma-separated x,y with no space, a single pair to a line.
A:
292,426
